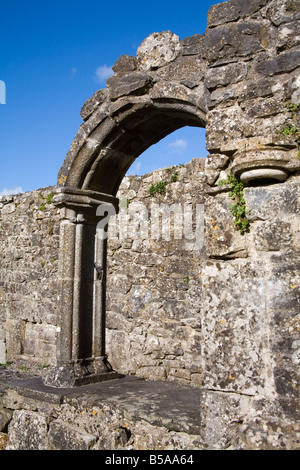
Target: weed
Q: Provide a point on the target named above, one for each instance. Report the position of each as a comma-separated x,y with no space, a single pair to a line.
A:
238,206
5,364
159,188
292,128
47,200
174,177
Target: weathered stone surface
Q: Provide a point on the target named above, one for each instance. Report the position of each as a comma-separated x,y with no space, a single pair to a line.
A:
92,103
283,12
222,76
135,83
158,49
27,431
3,440
286,62
63,436
125,63
230,42
233,347
232,11
193,45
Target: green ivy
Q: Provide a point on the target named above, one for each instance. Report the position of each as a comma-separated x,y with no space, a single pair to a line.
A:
238,206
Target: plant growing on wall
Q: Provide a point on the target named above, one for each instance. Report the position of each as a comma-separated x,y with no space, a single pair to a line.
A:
46,200
292,128
159,188
238,205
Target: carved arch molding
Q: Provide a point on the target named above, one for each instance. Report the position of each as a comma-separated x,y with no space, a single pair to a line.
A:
169,84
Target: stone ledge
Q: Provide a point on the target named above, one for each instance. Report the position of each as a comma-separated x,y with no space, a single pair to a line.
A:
160,403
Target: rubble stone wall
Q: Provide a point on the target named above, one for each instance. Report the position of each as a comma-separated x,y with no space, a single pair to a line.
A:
28,276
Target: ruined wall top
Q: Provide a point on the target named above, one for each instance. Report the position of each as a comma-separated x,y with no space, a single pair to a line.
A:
234,80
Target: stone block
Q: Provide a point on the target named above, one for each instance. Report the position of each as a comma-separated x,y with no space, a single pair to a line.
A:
158,49
274,202
233,325
232,10
228,42
134,83
64,436
28,431
281,12
14,337
272,235
222,238
92,103
125,63
192,45
40,341
283,63
213,165
5,418
225,75
218,431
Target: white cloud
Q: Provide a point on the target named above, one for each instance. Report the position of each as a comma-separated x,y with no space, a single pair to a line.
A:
7,192
137,166
179,144
103,72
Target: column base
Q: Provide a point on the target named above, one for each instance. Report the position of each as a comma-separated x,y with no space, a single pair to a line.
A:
82,372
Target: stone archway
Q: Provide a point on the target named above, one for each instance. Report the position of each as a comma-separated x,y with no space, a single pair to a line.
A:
121,122
169,84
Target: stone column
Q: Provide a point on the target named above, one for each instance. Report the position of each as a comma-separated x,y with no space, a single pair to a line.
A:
81,356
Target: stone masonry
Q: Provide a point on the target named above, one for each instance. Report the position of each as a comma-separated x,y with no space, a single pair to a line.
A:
210,318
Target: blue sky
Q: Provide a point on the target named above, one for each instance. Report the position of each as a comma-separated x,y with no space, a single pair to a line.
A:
56,54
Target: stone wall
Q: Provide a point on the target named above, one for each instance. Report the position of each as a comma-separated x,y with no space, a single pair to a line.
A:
29,238
212,316
154,286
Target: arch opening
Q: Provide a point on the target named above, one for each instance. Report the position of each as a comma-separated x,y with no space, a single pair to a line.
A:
152,278
176,149
118,140
92,172
124,145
